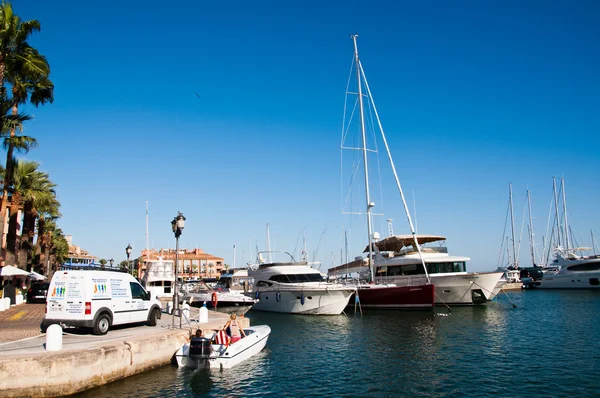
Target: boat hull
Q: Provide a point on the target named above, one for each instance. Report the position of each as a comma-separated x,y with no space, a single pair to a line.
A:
572,280
225,357
307,301
391,297
460,288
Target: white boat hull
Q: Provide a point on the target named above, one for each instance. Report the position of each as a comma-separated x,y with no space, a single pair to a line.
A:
308,301
225,357
460,288
573,280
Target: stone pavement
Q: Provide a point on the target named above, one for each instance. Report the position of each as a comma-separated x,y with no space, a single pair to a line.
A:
21,321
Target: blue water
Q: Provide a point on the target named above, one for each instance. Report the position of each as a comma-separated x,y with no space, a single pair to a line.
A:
547,346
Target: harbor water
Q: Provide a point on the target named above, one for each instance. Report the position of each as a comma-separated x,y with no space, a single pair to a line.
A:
546,346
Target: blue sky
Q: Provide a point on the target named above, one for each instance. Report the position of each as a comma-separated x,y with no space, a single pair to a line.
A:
472,95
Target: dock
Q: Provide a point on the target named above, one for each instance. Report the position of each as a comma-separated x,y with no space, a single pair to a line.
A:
87,361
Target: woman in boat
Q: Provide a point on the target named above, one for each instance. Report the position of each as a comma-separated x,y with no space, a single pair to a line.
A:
235,331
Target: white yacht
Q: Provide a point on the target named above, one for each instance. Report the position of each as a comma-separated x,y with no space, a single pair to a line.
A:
576,271
397,261
158,278
295,287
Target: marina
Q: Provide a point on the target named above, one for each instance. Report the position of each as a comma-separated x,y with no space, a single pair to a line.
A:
265,123
410,354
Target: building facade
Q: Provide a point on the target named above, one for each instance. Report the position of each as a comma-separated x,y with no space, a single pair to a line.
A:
192,264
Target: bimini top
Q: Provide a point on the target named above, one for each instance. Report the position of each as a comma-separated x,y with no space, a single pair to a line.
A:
395,243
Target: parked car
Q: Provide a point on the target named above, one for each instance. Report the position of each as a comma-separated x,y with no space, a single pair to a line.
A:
37,292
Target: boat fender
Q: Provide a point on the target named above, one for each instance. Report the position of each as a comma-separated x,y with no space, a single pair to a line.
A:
278,296
302,299
214,299
257,295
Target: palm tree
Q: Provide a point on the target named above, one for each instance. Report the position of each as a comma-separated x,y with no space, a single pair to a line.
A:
27,71
13,44
35,190
55,248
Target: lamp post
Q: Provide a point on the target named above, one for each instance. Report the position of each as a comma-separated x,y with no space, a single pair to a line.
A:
128,252
111,261
177,225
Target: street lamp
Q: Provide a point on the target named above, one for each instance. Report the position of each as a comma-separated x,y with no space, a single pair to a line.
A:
111,261
128,252
177,225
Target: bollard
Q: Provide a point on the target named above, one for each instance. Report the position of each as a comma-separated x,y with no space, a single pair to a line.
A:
2,305
7,302
54,338
19,299
203,316
186,310
169,308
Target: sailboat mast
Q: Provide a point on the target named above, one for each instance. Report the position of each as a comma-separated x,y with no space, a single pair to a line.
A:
147,238
364,151
512,226
268,245
531,243
387,148
558,242
593,244
566,222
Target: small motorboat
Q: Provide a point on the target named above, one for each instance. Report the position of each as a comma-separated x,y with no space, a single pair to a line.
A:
214,352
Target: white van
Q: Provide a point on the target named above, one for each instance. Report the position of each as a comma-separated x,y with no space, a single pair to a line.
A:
98,300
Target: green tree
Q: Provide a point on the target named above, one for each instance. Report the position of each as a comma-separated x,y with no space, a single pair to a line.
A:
27,71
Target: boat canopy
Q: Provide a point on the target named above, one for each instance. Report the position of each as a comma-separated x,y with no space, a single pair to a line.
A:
397,242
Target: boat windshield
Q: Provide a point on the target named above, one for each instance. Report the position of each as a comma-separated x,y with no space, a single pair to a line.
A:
417,269
297,278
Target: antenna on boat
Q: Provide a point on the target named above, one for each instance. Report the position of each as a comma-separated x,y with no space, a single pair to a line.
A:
234,255
390,227
269,246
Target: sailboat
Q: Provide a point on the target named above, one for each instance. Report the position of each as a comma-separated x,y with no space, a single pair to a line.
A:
511,277
412,294
576,270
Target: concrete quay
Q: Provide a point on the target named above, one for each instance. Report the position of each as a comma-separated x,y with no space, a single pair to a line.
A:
87,361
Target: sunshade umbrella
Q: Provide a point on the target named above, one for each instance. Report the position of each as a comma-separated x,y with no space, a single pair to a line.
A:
36,276
9,270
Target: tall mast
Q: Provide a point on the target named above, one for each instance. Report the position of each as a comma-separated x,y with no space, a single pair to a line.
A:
364,150
389,153
558,242
512,226
268,245
593,244
566,221
531,243
147,244
234,255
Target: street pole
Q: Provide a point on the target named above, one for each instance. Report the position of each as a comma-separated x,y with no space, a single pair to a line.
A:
177,225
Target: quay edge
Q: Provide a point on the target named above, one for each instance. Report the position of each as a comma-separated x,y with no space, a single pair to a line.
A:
51,374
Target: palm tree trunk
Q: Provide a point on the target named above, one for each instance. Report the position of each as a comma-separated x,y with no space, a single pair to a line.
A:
26,239
13,226
7,183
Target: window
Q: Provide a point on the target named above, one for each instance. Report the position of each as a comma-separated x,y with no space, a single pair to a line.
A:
297,278
137,292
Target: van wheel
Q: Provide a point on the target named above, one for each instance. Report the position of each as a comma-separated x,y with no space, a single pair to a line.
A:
153,316
102,324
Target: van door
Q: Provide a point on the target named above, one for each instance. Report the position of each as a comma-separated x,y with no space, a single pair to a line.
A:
120,300
139,303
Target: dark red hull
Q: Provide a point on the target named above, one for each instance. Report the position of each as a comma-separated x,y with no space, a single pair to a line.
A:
421,297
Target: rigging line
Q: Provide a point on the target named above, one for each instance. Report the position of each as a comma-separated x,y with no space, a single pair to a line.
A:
501,255
412,229
376,151
297,239
521,232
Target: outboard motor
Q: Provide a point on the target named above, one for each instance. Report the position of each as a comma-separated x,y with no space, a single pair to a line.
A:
200,351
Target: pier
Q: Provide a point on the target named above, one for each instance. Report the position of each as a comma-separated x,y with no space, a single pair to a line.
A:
85,361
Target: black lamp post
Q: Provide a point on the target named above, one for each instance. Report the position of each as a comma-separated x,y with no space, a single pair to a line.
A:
128,252
177,225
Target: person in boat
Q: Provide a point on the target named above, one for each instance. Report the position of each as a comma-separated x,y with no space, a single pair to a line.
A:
235,331
197,334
